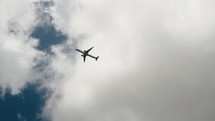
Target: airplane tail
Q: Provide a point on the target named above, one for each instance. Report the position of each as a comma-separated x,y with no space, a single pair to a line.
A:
97,58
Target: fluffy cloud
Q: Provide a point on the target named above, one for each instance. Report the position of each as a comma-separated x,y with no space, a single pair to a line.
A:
156,61
16,48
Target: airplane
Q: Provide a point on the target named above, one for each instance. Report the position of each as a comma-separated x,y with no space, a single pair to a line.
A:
85,53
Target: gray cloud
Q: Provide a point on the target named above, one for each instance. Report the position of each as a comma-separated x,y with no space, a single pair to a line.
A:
16,48
156,61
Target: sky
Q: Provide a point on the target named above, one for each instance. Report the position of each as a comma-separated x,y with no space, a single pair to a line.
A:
156,60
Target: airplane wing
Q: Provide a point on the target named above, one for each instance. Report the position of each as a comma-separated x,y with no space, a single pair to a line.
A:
79,51
84,57
89,49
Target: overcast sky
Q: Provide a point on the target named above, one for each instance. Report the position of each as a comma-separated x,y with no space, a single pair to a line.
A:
156,58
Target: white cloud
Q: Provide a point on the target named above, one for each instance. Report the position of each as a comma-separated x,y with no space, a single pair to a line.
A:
16,49
156,61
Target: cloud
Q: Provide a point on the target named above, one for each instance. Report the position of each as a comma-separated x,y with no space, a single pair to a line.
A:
156,61
20,117
16,48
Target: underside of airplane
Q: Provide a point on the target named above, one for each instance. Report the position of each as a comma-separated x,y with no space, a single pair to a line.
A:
85,54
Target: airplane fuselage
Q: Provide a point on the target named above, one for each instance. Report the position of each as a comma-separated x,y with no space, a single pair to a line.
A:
86,54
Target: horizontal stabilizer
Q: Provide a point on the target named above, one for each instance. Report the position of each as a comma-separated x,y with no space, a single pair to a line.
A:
97,58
